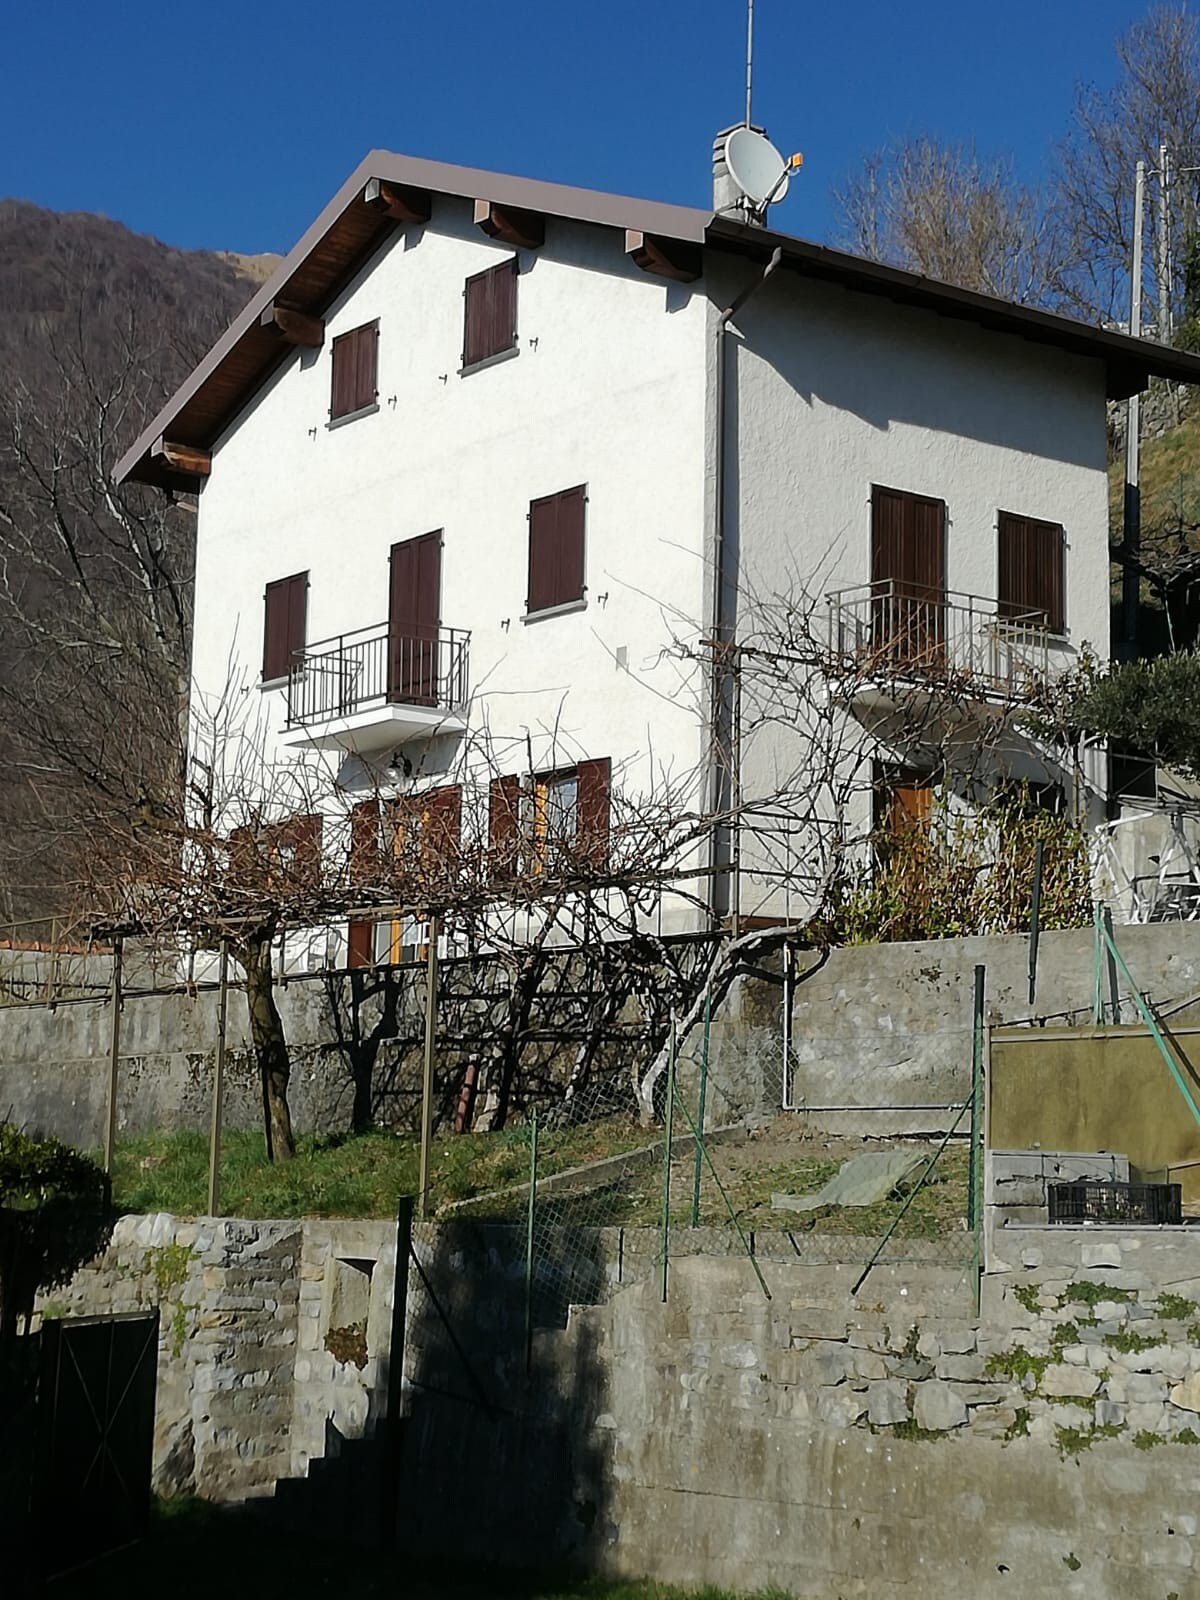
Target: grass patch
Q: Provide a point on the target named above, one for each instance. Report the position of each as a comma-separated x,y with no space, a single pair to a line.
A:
487,1174
1086,1293
348,1176
1175,1308
1129,1342
1016,1365
195,1550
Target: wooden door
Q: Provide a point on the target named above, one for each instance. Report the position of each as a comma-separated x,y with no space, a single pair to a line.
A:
908,576
414,614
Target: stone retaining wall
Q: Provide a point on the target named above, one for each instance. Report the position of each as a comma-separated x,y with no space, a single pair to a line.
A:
885,1444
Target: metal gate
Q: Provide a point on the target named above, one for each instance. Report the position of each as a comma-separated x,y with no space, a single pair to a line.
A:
95,1437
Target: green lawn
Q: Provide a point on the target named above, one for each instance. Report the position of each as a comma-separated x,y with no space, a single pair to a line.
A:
196,1551
362,1176
350,1176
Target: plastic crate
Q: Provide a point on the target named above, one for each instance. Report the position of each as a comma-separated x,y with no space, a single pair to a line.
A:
1147,1203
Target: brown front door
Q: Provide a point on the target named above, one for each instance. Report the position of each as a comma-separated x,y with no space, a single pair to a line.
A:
908,577
413,618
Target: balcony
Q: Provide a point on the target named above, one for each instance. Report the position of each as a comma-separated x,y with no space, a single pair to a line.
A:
887,639
375,689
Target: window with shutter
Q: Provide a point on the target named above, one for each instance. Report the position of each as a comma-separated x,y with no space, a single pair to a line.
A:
1031,569
490,316
355,358
504,826
556,551
285,626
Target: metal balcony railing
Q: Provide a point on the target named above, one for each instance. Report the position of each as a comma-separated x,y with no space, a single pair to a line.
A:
377,666
903,632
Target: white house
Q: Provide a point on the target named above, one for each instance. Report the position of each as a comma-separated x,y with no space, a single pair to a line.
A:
503,467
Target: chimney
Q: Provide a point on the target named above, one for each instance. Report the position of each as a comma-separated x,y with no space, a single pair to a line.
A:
728,199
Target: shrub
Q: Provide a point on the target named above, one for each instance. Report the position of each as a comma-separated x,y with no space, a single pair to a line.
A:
55,1214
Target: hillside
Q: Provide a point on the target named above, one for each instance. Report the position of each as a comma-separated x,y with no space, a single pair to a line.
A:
1170,493
100,324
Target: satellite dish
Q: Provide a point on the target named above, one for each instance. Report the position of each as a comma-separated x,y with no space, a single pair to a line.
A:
757,168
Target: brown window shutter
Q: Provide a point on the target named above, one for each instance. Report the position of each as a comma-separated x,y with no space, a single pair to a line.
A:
361,942
367,366
504,306
355,362
477,319
594,798
570,544
443,813
285,624
364,843
543,554
343,355
1031,569
490,315
556,549
301,836
504,825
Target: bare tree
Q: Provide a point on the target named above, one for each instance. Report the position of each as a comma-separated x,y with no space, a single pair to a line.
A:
1156,100
506,868
947,212
95,582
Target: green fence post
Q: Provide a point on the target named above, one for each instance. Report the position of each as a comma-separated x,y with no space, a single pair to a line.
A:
666,1211
975,1199
1097,965
700,1109
529,1222
1035,920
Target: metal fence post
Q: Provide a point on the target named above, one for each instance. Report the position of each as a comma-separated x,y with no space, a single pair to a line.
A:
1035,920
700,1109
975,1199
530,1218
394,1393
114,1057
431,984
670,1117
218,1088
1114,987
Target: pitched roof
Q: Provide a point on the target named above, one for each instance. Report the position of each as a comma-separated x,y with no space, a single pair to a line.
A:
349,230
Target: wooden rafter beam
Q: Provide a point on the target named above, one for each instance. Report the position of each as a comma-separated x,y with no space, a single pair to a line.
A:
524,230
666,258
398,201
186,459
292,326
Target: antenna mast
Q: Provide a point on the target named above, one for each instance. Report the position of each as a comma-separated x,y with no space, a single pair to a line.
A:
749,54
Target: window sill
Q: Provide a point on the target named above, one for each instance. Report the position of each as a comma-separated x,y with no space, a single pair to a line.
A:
490,361
564,610
353,416
267,684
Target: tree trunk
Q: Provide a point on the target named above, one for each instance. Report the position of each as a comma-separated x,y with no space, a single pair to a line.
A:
270,1047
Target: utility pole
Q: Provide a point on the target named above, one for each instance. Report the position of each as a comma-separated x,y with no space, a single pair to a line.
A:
1132,531
1163,269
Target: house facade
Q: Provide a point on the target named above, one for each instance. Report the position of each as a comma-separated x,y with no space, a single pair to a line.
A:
519,502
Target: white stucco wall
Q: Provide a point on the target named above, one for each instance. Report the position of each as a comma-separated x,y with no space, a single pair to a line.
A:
831,392
613,387
607,390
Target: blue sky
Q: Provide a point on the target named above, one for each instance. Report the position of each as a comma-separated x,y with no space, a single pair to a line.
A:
229,125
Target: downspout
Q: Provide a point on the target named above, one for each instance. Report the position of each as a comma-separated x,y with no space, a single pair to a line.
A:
722,786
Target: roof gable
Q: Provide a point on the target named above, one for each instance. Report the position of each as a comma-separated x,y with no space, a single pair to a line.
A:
386,190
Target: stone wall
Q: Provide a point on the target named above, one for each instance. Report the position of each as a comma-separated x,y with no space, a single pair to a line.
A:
247,1390
884,1031
883,1444
356,1041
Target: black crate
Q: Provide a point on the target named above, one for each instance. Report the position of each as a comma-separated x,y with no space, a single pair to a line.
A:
1147,1203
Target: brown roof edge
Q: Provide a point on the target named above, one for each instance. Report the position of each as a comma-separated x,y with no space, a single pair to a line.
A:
1130,362
205,404
532,194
